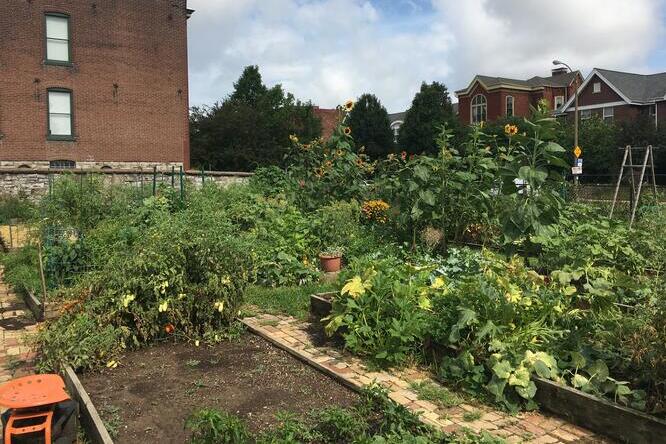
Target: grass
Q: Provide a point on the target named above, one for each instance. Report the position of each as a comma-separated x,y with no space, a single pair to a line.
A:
293,301
436,394
472,416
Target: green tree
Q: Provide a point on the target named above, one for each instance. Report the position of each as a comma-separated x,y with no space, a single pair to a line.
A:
599,142
371,128
251,127
430,109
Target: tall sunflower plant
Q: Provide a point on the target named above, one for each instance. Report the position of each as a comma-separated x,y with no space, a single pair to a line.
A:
327,170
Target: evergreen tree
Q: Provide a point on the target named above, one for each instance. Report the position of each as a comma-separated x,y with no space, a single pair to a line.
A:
250,128
371,127
430,108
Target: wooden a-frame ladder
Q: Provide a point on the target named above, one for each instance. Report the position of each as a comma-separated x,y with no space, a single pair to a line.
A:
635,192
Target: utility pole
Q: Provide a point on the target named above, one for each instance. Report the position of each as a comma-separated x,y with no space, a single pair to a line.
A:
558,62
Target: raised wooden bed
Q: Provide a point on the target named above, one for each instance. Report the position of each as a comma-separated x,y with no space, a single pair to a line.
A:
320,304
597,414
90,420
53,308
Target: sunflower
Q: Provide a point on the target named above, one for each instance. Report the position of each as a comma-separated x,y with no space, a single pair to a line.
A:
510,130
403,155
319,172
338,153
359,162
349,105
328,164
347,131
169,328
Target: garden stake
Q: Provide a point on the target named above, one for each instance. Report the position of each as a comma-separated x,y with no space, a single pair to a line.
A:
41,277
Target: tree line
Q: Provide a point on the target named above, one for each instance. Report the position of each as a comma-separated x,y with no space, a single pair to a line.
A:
252,126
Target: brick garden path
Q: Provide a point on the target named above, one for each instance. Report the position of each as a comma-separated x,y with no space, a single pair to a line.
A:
16,324
294,336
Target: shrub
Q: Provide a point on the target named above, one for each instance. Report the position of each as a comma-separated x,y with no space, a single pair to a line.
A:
382,313
16,208
21,270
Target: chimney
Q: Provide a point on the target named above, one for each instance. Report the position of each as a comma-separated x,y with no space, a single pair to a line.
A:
558,71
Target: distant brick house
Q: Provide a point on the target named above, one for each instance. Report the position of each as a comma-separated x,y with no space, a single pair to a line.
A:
620,96
94,83
329,120
491,98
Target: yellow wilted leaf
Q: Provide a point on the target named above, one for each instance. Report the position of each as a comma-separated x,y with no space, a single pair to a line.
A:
354,287
438,283
425,303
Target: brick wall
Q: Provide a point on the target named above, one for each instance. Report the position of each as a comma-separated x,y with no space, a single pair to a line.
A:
606,95
128,79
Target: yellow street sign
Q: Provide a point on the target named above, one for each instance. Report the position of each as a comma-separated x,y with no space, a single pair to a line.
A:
577,152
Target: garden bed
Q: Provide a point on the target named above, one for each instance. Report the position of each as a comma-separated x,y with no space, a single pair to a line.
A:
153,391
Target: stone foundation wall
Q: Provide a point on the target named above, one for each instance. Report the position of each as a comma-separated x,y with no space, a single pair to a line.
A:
34,182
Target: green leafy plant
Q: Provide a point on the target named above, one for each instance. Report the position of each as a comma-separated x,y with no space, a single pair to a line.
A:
210,426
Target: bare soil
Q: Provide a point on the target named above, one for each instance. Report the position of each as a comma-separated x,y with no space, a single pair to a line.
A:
150,395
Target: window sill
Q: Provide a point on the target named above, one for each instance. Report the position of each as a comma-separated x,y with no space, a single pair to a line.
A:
58,63
61,138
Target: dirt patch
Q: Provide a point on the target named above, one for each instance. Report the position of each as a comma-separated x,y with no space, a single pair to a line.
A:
149,397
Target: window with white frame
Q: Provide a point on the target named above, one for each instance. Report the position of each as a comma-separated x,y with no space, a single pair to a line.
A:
585,114
57,38
479,109
60,124
509,106
395,126
608,113
596,87
653,113
559,102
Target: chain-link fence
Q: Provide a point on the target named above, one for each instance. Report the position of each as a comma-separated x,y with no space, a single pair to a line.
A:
599,190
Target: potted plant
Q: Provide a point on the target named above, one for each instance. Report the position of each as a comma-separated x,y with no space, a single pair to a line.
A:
330,259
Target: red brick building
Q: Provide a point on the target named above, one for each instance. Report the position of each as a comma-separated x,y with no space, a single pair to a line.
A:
490,98
620,96
94,83
329,120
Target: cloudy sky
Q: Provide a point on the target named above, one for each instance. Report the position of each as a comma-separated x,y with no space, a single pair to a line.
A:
330,50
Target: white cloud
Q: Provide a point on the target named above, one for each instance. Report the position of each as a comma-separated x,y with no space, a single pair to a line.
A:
330,50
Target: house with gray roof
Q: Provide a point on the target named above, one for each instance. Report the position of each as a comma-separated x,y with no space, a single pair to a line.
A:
397,119
489,98
620,96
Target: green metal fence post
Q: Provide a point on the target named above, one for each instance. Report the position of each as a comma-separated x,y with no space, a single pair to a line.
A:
173,177
154,180
182,188
203,176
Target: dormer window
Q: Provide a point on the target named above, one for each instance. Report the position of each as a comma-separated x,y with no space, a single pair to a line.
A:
596,87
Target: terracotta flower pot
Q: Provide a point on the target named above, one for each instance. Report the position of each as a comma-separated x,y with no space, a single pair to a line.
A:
330,263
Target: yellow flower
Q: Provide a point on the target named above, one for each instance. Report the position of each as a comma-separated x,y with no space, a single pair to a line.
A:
347,131
112,364
196,343
438,282
349,105
164,306
219,306
127,299
510,130
226,280
319,172
293,138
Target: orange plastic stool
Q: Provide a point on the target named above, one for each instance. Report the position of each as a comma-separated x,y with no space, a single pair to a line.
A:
32,398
